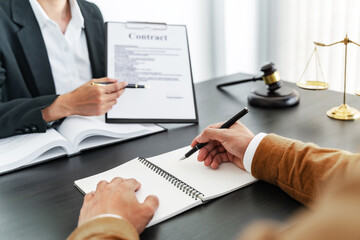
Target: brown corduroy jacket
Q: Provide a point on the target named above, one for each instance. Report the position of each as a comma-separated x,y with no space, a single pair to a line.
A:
326,180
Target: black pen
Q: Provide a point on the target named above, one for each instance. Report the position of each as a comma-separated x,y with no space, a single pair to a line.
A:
227,124
127,86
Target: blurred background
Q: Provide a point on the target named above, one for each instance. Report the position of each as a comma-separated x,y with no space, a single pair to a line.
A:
231,36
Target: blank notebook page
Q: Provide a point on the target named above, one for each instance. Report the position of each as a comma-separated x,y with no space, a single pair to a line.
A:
211,182
172,200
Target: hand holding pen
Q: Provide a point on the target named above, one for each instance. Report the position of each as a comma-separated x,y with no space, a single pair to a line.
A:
130,85
219,143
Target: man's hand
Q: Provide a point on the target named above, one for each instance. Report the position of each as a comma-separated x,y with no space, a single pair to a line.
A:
225,145
86,100
118,197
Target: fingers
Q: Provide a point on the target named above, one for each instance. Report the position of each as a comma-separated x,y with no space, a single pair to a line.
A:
215,126
194,142
103,97
218,159
212,134
212,154
111,92
203,153
117,180
114,95
107,106
105,79
135,185
119,183
89,196
152,202
101,185
215,161
111,88
131,183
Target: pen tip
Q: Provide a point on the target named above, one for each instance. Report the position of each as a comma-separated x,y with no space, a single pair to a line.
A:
182,158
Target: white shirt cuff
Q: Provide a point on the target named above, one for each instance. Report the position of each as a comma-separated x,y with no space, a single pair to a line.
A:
107,215
251,149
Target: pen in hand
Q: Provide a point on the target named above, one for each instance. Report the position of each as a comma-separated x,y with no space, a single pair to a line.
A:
127,86
227,124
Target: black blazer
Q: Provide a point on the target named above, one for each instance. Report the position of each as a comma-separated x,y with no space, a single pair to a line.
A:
26,82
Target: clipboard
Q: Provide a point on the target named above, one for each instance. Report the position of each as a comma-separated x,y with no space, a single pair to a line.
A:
155,55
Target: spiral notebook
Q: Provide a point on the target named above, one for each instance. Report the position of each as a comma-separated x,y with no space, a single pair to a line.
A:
179,185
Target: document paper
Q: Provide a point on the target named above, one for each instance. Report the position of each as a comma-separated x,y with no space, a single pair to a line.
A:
157,56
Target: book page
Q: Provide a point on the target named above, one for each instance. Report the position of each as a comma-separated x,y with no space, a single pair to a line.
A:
27,149
212,183
77,129
172,200
97,140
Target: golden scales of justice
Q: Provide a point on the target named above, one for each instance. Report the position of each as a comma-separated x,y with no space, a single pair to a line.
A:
344,111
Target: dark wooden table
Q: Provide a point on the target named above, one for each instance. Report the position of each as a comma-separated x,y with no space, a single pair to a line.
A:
40,202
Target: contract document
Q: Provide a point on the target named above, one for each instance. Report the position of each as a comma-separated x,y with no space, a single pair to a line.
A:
157,57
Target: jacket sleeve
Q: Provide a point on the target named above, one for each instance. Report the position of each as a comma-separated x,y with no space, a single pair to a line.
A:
298,168
105,228
21,115
328,178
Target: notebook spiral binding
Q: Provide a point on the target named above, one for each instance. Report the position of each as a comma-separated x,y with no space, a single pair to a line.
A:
187,189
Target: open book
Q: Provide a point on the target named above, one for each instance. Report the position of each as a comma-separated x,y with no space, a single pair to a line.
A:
179,185
74,135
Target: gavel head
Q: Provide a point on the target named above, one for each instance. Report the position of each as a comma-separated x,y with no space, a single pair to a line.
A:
271,77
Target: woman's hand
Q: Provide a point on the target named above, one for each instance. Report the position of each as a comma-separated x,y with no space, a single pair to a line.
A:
86,100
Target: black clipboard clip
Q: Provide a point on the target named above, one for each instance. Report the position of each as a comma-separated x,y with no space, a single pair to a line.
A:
146,25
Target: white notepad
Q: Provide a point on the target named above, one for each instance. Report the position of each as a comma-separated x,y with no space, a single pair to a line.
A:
179,185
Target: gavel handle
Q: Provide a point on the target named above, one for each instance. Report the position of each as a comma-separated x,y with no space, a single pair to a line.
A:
238,82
